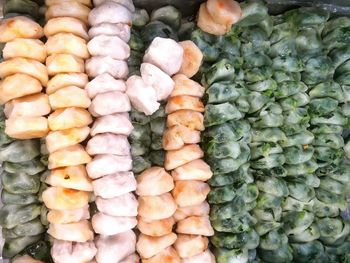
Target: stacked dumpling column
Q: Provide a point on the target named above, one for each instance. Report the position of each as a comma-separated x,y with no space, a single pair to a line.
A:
23,77
69,194
183,157
156,221
112,163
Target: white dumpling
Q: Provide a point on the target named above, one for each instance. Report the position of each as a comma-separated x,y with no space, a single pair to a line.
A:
124,205
110,12
112,46
77,252
104,83
142,96
116,123
157,79
109,29
166,54
109,103
108,143
112,225
127,3
112,249
98,65
105,164
114,185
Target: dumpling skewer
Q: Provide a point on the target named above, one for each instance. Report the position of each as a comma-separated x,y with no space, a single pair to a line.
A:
23,77
69,194
110,169
183,157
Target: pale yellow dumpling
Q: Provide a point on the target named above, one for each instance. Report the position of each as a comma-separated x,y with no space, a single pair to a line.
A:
177,136
76,232
188,193
60,81
24,127
148,246
72,177
12,87
70,156
67,43
186,86
168,255
68,118
26,66
186,154
68,216
154,181
64,63
195,225
26,48
68,9
53,2
56,140
32,106
59,198
19,27
70,96
66,25
155,228
190,245
157,207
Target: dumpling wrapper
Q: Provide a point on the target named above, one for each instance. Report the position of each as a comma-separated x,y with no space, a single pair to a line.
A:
75,232
69,156
168,255
64,63
112,225
70,96
25,66
154,181
29,106
124,205
111,29
157,79
66,25
110,103
157,207
186,86
155,228
111,46
71,177
108,143
143,97
195,225
166,54
67,43
68,118
148,246
68,216
178,136
19,27
116,123
57,140
114,185
190,245
201,209
110,12
104,83
65,251
12,87
190,193
111,249
105,164
186,154
184,103
24,127
60,81
191,119
195,170
59,198
25,48
98,65
68,9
